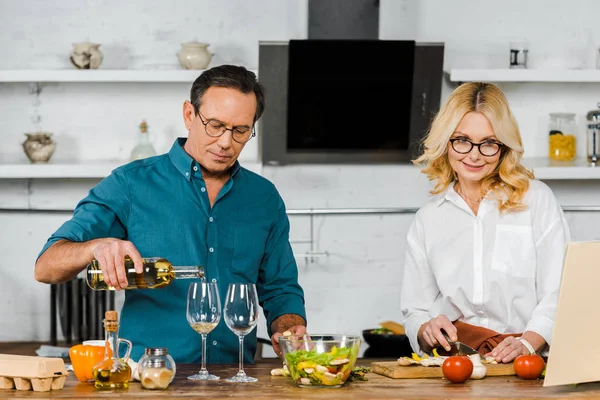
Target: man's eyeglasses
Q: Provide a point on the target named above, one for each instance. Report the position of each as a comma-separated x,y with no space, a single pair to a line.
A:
216,128
488,148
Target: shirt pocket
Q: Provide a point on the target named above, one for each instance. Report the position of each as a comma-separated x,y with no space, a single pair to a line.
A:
514,251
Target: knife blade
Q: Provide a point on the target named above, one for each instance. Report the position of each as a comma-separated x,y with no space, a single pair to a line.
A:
459,348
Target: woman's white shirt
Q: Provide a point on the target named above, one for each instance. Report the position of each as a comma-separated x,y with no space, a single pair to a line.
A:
498,270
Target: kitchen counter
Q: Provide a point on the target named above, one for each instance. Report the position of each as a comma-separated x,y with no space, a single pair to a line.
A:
278,387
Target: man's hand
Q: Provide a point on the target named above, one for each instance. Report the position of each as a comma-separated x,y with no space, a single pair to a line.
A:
110,253
430,334
292,323
292,330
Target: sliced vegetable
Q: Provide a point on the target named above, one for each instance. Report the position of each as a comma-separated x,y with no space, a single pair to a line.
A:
382,331
328,369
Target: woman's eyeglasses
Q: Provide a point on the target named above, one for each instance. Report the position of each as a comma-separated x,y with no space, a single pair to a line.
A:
488,148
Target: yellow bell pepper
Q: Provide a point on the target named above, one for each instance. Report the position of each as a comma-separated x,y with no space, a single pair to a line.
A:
306,364
416,357
83,358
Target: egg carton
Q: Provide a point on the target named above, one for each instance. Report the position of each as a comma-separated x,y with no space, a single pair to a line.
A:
35,384
39,374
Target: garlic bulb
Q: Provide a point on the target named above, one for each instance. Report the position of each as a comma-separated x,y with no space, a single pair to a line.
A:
479,370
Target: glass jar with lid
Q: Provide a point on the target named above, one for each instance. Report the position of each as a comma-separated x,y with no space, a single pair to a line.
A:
156,368
562,137
593,136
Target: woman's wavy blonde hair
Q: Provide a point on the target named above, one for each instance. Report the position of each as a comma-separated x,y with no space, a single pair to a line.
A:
510,180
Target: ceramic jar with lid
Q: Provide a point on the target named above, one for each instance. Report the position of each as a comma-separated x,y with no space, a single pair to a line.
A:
593,136
156,368
562,137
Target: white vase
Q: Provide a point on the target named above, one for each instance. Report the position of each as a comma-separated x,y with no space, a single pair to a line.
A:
86,55
194,55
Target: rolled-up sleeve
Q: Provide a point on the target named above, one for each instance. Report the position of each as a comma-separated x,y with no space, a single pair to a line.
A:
102,213
419,288
278,288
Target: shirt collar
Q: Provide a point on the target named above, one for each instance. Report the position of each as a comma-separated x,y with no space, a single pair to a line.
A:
185,163
451,195
448,194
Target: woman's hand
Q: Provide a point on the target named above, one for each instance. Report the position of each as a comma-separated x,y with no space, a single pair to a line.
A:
508,350
431,336
511,347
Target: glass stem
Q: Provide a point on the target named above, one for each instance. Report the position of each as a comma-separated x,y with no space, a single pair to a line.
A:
203,369
241,355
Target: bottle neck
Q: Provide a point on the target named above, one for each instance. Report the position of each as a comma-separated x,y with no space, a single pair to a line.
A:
188,272
144,138
112,344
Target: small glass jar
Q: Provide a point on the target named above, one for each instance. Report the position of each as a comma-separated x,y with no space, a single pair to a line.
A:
156,368
562,137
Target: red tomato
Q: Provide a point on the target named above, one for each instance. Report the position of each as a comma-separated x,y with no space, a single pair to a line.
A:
457,369
529,367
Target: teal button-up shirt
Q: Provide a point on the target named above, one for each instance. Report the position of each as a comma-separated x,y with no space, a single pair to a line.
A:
161,205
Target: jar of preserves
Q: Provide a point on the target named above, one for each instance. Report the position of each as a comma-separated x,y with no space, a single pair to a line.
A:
562,137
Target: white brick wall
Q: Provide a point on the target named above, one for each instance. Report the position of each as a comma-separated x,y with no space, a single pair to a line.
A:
356,287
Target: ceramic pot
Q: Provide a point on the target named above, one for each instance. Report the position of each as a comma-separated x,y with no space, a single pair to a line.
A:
86,55
194,55
39,147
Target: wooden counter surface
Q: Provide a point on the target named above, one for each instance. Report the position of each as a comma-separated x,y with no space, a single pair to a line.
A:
278,387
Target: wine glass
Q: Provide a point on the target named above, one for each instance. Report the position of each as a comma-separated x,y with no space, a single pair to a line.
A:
241,316
203,315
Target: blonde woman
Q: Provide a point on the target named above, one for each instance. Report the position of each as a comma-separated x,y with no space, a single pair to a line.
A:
484,256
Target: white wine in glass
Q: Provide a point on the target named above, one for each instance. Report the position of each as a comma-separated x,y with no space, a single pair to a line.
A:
241,315
203,315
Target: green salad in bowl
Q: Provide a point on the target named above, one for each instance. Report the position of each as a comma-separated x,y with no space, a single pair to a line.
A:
320,360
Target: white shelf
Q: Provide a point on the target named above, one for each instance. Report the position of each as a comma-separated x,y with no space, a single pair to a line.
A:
542,167
525,75
72,169
76,169
99,75
545,169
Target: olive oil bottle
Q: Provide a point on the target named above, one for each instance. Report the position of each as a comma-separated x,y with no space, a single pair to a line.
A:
112,372
157,272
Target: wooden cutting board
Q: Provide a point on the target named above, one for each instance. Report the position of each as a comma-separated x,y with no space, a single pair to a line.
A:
393,370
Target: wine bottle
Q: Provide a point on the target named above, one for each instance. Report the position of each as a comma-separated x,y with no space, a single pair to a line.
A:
157,272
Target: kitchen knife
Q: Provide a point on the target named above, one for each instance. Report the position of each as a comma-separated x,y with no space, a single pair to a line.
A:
459,348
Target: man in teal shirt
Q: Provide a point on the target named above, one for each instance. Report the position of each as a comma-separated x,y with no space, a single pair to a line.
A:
194,205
